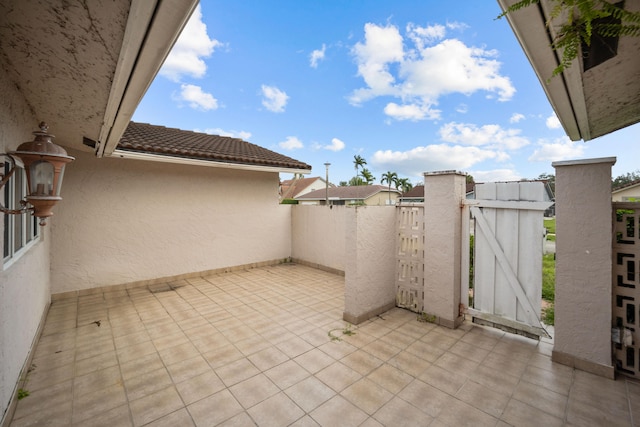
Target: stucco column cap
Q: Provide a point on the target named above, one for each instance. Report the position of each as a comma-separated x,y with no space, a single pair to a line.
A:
611,160
449,172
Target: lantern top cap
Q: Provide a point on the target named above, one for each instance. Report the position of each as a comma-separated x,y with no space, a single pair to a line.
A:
42,144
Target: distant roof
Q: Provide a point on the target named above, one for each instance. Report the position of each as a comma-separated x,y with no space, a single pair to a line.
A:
416,192
351,192
292,187
627,185
171,142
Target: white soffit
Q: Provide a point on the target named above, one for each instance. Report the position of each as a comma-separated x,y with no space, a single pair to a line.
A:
152,29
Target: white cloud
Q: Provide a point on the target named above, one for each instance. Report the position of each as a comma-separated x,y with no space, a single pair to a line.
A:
553,122
274,99
516,117
462,108
382,47
559,149
231,133
291,143
196,98
411,112
186,56
430,158
336,145
422,36
420,75
496,175
317,56
491,136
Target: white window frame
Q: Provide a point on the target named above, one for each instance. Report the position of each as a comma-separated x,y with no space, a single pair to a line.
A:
22,231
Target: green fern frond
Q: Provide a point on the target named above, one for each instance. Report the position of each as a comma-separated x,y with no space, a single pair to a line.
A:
517,6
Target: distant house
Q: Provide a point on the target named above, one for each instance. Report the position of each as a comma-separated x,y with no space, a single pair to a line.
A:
291,188
629,192
415,195
371,195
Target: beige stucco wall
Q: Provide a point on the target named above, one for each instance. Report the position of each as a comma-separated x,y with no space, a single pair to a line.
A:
126,221
583,265
444,191
370,261
318,235
24,284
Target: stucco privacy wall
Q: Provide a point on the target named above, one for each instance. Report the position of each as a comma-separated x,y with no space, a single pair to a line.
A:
126,221
24,284
583,265
318,235
369,262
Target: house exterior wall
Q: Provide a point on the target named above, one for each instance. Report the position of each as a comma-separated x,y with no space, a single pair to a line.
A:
318,236
381,199
630,194
584,265
24,284
370,262
125,221
318,184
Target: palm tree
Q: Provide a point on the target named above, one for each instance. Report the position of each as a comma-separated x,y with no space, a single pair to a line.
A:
356,180
404,185
367,176
359,161
391,178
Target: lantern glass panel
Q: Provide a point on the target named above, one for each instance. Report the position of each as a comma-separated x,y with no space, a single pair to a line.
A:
41,178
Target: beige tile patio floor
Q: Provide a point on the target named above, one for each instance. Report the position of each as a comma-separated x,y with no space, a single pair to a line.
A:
253,348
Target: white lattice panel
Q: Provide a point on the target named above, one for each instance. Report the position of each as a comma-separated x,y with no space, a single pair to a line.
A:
410,258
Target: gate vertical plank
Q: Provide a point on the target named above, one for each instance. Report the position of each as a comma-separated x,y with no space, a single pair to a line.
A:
484,267
530,254
507,226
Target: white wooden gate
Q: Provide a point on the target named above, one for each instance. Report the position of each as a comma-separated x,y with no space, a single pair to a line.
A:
509,229
626,288
410,257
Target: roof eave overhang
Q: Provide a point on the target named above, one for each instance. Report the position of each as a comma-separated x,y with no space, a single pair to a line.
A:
152,29
134,155
565,92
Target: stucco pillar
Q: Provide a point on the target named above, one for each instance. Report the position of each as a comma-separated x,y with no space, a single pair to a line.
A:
444,193
583,265
370,262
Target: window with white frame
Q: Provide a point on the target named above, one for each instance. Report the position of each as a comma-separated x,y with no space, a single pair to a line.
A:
20,231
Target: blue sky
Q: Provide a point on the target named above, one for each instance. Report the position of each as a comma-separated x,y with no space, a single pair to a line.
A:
411,86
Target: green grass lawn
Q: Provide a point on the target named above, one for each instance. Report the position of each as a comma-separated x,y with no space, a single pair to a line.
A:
550,225
548,286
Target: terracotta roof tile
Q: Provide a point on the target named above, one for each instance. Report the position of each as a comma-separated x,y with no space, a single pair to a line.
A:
160,140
